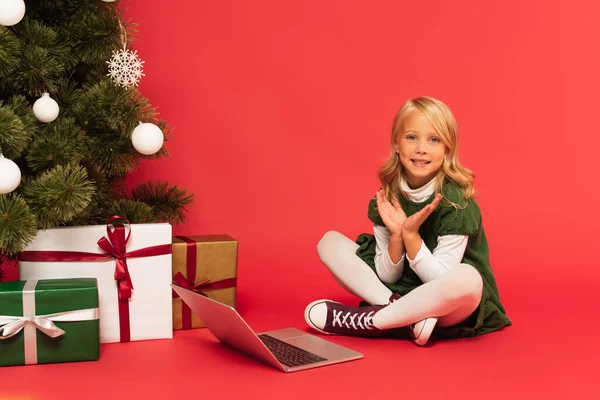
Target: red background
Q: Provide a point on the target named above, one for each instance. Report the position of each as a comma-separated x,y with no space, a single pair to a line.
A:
281,114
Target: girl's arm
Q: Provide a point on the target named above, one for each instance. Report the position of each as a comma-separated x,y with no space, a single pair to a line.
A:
447,254
388,250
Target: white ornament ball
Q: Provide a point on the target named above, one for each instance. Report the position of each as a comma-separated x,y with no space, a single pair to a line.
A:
45,108
147,138
10,175
11,12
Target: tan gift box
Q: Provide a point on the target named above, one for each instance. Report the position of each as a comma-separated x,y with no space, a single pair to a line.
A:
213,261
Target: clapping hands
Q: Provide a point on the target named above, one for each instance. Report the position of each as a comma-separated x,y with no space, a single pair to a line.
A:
413,223
395,219
392,214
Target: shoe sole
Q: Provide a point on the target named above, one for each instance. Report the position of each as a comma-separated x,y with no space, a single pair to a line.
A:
307,316
425,333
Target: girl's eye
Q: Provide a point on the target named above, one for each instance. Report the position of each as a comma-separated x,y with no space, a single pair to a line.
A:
411,137
435,140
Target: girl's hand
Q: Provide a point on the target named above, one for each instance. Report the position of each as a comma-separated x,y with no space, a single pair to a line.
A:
393,215
413,223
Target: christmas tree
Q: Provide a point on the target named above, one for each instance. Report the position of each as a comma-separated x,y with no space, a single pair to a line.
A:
71,119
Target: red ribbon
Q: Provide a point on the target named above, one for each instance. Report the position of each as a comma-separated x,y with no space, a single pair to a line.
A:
113,247
179,279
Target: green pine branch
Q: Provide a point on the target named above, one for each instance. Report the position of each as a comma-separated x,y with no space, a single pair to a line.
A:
10,49
169,202
14,135
98,34
17,223
59,194
60,143
136,212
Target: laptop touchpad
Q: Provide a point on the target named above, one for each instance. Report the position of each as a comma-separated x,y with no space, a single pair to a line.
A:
318,346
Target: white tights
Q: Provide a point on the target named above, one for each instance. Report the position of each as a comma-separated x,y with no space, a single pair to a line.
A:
451,297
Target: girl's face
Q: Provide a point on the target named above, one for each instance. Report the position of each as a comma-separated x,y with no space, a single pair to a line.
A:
420,149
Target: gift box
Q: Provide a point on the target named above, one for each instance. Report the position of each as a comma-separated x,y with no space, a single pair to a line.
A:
49,321
132,264
207,265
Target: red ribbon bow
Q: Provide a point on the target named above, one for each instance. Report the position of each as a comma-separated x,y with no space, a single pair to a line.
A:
116,248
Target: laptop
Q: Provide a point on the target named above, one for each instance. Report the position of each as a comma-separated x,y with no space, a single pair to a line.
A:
288,349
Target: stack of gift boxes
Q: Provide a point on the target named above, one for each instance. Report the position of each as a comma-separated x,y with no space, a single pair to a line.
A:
83,286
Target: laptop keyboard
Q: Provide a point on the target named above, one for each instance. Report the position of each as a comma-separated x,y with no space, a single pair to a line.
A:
288,354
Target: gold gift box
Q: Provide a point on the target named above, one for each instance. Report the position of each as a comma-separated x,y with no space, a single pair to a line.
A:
216,260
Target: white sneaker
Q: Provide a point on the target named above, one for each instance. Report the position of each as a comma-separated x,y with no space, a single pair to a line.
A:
421,331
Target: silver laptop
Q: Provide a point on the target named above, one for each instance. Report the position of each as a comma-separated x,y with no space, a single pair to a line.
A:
288,349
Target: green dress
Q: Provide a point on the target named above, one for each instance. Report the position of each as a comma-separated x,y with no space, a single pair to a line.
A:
447,220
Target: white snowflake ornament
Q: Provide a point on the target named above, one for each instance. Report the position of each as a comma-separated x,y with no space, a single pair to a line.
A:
125,68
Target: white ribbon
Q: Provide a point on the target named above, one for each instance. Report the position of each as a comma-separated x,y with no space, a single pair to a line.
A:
11,325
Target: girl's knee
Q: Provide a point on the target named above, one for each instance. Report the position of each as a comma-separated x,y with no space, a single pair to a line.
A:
473,283
469,284
328,242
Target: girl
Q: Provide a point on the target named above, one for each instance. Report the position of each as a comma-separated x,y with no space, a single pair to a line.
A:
448,284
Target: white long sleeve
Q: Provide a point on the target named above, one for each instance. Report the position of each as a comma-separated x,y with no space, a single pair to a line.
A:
447,254
386,270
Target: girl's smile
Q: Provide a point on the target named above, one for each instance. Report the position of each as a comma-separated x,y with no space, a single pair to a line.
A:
419,163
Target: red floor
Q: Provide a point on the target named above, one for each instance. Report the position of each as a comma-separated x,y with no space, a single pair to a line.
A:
550,352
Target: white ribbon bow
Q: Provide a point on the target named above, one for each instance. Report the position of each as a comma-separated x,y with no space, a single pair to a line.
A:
11,325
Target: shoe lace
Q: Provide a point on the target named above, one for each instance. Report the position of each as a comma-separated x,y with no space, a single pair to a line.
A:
353,320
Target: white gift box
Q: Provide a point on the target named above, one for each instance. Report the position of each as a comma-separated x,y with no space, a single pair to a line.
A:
150,305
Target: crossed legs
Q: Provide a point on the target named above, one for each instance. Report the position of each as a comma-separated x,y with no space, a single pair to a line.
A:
451,297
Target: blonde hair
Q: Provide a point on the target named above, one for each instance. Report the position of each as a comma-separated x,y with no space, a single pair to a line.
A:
444,123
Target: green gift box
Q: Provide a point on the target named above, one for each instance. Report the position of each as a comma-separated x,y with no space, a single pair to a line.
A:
49,321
